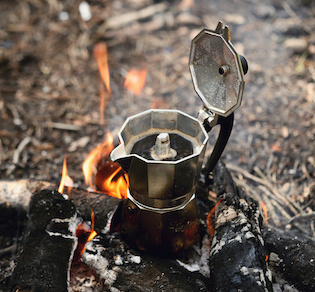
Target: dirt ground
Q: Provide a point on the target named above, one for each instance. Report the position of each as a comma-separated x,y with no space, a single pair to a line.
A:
50,87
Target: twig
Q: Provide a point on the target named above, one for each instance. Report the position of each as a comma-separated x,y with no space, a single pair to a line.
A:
275,202
302,216
20,148
68,127
290,11
118,21
264,181
272,215
277,192
7,250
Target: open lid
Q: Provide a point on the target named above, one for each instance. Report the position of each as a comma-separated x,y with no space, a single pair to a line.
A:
216,70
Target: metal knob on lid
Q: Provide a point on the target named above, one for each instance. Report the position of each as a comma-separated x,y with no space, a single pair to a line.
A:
217,71
162,150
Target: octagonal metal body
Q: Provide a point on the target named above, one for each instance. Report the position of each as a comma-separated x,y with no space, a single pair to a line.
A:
154,184
216,70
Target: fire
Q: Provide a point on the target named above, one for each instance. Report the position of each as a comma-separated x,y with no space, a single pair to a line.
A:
84,233
65,179
101,56
265,212
104,175
135,80
209,218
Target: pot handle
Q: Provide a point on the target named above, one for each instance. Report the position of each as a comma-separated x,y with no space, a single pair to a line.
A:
226,125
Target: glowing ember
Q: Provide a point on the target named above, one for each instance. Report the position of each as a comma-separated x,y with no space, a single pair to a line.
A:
84,234
135,81
209,218
104,175
65,179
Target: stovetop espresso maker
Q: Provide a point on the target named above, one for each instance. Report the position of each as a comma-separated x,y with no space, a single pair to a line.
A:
162,151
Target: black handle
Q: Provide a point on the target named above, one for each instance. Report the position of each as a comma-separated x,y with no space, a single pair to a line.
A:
226,125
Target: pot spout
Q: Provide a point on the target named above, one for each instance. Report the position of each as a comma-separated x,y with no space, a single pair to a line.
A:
119,155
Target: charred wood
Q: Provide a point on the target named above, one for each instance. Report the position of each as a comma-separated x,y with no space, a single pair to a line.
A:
122,268
44,260
103,206
237,256
296,257
16,195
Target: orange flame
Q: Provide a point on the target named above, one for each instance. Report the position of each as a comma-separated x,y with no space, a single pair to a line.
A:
209,218
101,56
265,212
84,234
65,179
96,155
135,80
104,175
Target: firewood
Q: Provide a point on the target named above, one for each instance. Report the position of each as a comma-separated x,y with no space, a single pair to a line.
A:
44,260
296,257
237,256
122,268
103,206
18,194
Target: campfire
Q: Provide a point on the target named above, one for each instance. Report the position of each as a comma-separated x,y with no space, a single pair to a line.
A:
152,209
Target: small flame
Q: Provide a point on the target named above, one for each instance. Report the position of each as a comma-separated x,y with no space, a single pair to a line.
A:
104,175
84,234
96,155
101,56
135,80
265,212
209,218
116,184
65,179
93,232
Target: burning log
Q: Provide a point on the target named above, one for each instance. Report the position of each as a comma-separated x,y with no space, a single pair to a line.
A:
234,259
102,205
296,257
237,256
44,260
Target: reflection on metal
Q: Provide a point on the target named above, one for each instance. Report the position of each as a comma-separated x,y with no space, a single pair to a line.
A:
162,150
169,181
216,70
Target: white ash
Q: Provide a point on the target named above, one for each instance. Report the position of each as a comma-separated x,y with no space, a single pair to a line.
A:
107,267
217,246
109,221
118,260
204,256
134,259
258,273
66,197
72,226
191,267
92,257
200,261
